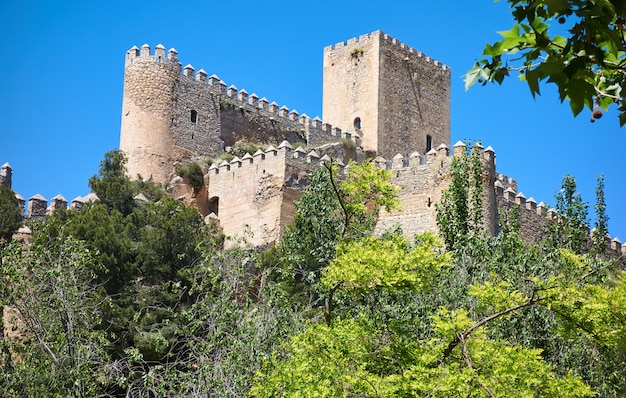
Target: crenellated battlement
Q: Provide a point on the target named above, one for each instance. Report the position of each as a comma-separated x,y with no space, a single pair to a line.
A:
387,40
313,130
159,56
266,159
506,190
438,158
316,131
38,207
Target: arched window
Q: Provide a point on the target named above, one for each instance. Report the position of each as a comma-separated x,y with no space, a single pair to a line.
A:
214,205
357,123
194,116
429,143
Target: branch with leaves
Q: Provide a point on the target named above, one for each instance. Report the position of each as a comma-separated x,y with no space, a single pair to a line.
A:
585,58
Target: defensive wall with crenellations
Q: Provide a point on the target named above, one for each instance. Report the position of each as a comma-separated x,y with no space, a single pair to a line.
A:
38,207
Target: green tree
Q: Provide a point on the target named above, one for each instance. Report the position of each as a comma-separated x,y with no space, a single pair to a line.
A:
58,350
111,185
10,215
578,45
234,322
459,213
334,209
570,229
379,351
600,235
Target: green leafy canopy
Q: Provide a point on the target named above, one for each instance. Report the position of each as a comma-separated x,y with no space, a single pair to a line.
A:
585,58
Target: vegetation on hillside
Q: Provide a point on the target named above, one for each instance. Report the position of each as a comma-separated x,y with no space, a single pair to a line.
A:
130,298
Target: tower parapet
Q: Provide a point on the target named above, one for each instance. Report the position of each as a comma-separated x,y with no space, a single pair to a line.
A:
6,175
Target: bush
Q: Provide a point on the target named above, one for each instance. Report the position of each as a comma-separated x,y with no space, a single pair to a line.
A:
195,174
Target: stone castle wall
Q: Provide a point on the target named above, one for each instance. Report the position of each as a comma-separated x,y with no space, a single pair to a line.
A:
171,113
423,179
38,208
253,197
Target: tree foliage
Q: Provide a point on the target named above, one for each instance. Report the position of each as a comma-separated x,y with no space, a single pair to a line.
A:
466,351
194,172
600,233
459,213
49,286
570,230
578,45
111,185
10,215
390,263
334,209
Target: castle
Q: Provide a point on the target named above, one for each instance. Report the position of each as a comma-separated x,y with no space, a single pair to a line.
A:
382,100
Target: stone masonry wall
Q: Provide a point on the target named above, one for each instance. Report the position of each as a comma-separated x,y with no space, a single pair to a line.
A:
351,87
169,115
199,135
249,194
421,181
256,194
414,99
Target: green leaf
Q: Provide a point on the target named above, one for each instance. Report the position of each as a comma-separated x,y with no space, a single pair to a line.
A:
580,93
472,76
532,78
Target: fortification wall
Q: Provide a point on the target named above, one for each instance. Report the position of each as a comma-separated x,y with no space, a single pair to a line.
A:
255,195
172,113
196,113
534,218
247,118
248,192
423,179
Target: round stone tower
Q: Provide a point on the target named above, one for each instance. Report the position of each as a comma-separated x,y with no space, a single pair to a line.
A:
145,137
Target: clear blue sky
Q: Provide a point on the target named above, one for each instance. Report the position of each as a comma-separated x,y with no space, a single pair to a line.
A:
62,82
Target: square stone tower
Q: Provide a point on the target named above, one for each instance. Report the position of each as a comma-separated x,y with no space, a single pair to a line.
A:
396,98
